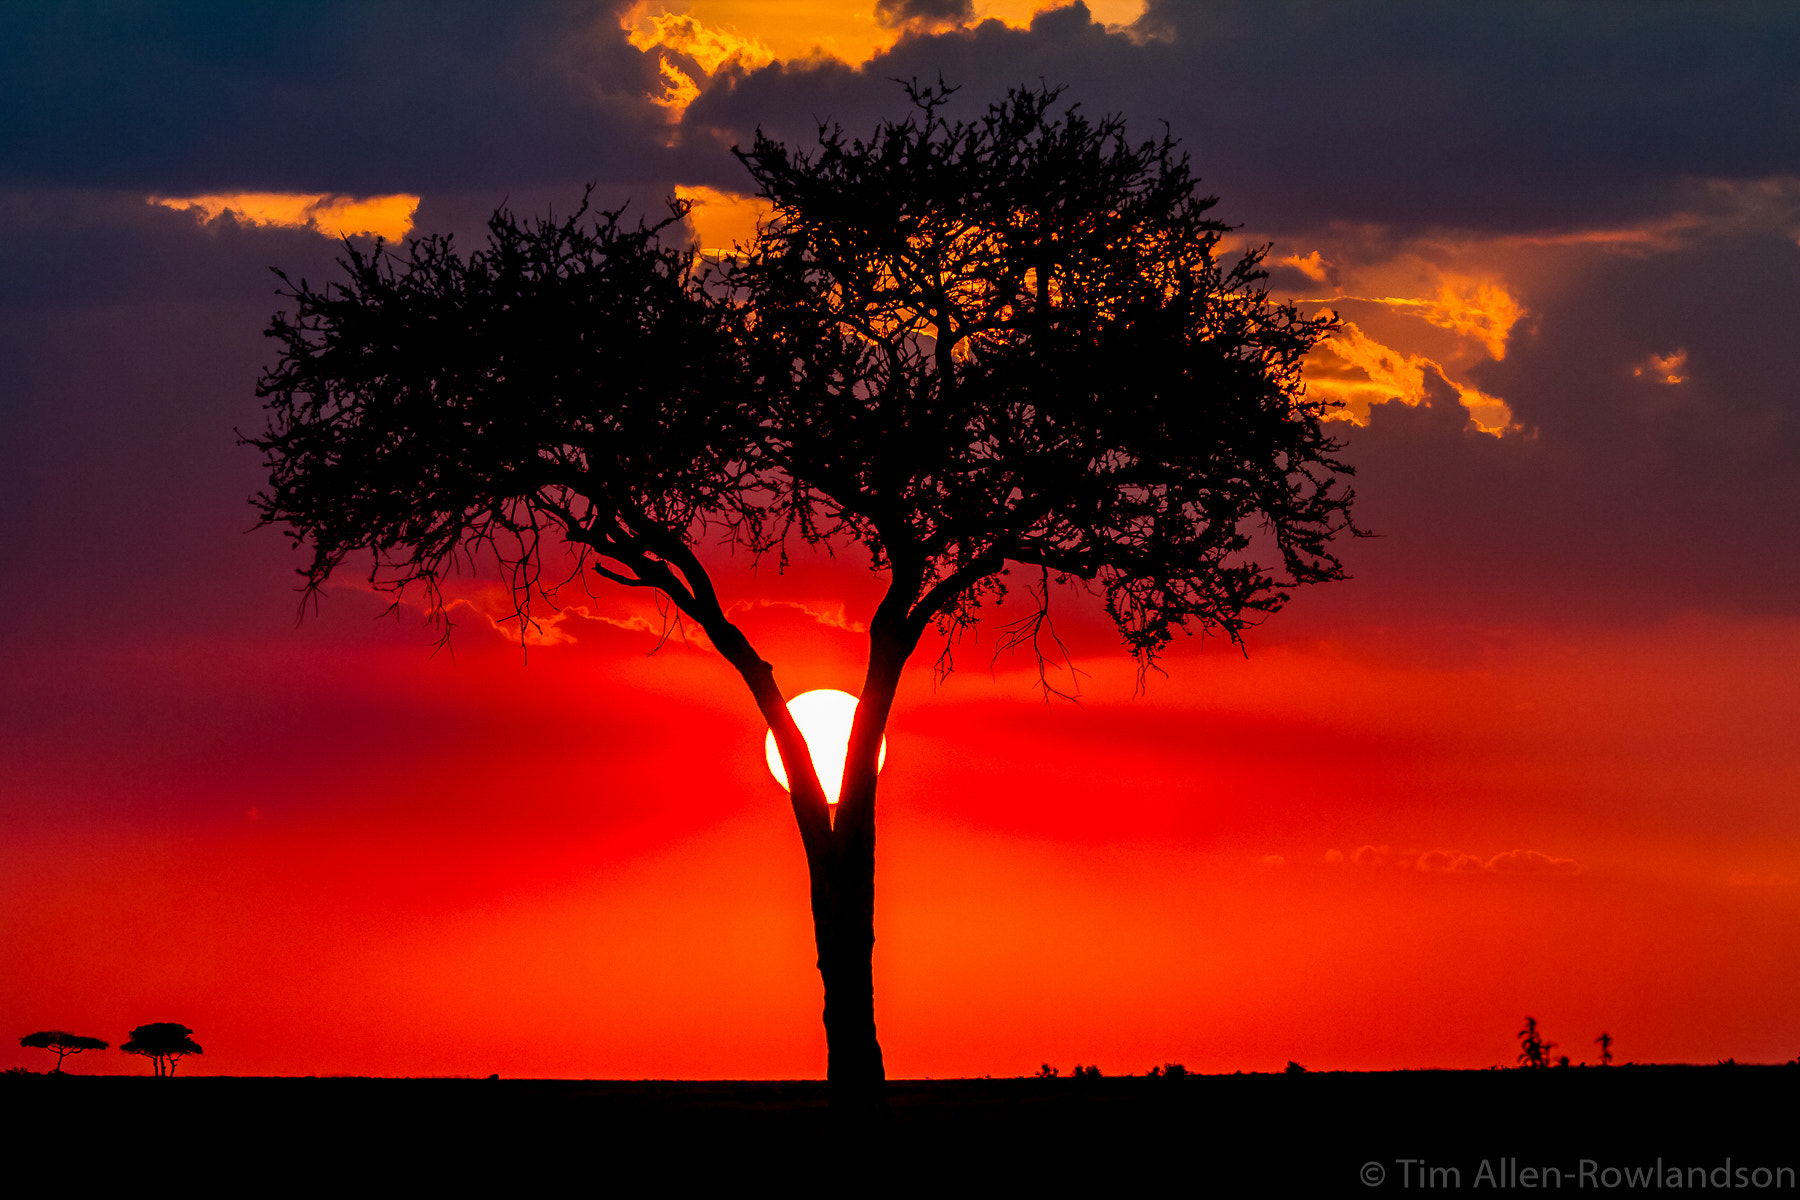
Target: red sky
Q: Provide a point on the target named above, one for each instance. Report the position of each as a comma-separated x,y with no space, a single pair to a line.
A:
1535,758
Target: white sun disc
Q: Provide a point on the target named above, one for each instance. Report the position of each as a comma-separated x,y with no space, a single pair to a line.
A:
824,717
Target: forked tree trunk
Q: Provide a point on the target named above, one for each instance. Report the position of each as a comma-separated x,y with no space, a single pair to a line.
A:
840,845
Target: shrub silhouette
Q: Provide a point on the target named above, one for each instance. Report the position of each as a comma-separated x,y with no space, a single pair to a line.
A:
1605,1041
1293,1068
63,1042
1534,1051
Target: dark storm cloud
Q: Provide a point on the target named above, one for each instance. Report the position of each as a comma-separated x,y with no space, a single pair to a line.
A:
1507,116
335,95
893,13
1631,495
130,344
65,248
1503,115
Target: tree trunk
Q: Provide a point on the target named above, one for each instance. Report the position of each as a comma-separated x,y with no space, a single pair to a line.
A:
843,895
843,890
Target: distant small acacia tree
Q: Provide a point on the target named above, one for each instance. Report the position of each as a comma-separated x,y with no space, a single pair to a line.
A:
163,1043
1534,1051
1605,1041
63,1042
968,348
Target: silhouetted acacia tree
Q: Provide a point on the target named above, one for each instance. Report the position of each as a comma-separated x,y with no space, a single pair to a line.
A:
163,1043
61,1041
967,347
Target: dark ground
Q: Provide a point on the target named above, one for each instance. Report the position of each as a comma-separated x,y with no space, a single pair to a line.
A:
1218,1134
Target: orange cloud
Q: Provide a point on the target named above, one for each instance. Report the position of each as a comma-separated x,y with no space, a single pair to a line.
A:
1114,14
679,88
488,604
1385,355
708,46
1312,266
1663,368
1357,372
832,616
1512,862
328,213
714,33
1473,308
1448,861
722,220
1531,862
1441,305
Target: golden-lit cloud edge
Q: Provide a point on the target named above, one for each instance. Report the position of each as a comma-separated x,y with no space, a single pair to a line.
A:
1668,369
1419,314
330,214
686,47
697,39
1356,370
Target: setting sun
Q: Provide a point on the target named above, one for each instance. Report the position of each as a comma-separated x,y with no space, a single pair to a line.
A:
824,717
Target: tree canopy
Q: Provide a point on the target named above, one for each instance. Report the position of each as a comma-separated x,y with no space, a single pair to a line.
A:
164,1043
962,345
570,376
967,347
62,1042
1012,341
